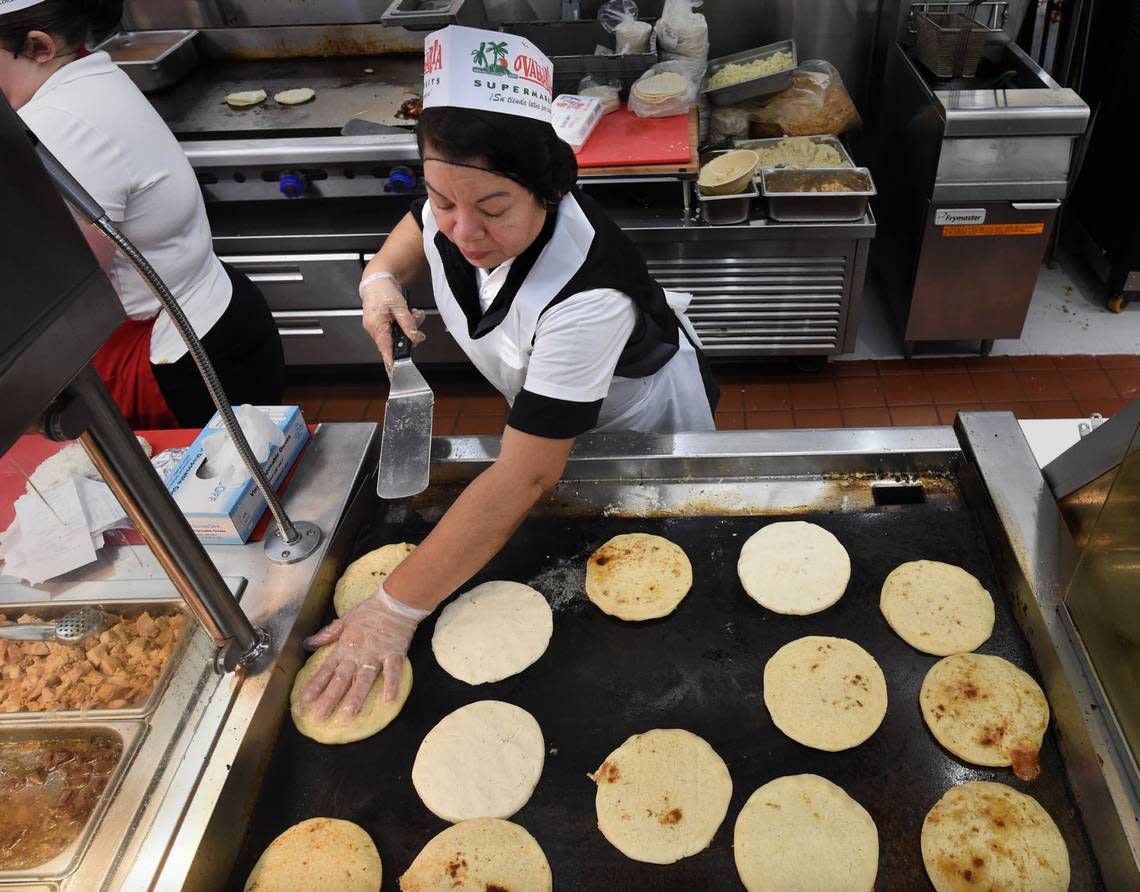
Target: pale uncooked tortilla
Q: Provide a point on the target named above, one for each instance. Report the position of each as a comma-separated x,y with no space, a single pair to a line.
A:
492,632
481,761
318,855
937,608
826,693
298,96
987,711
364,575
246,98
477,855
982,835
638,576
662,795
374,715
794,567
802,832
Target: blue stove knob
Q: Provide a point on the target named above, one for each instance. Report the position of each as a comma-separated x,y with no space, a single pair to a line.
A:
401,179
291,185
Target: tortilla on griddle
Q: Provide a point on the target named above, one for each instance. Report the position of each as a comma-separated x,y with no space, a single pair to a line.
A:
374,715
492,632
803,832
987,711
662,795
982,835
364,575
477,855
794,567
481,761
246,98
318,855
298,96
826,693
937,608
638,576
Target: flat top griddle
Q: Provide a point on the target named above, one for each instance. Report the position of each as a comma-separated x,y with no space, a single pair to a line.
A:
195,108
701,669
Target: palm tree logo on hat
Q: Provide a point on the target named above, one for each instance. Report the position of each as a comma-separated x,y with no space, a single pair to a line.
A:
491,58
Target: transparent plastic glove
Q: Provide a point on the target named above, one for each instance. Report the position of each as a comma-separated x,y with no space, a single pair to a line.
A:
373,636
384,303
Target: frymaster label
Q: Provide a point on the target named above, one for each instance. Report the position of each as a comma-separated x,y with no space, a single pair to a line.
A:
959,216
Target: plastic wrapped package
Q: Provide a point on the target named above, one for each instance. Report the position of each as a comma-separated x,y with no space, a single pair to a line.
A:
728,122
683,36
816,103
663,91
574,118
606,93
619,17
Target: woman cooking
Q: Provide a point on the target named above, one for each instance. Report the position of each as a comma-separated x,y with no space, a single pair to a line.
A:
547,297
91,116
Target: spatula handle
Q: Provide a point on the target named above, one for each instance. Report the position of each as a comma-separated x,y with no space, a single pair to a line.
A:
401,343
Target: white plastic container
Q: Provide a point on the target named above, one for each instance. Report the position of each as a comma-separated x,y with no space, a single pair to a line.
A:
574,118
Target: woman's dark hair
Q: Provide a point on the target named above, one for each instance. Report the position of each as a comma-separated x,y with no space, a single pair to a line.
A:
522,149
71,22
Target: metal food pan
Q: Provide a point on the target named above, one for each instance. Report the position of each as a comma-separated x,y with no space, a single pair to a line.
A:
129,733
154,60
725,210
788,204
757,86
832,141
127,610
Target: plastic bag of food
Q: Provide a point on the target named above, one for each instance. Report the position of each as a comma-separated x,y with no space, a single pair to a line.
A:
816,103
663,91
606,92
683,36
728,122
619,17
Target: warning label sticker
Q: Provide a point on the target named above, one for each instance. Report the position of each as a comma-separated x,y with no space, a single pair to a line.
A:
994,229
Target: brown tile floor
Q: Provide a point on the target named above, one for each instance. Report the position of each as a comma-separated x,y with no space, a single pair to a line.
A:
864,393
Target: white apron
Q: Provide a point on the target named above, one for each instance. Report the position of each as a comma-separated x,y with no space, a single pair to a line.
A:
671,400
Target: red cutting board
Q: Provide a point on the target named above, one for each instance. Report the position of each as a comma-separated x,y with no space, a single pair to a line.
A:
622,139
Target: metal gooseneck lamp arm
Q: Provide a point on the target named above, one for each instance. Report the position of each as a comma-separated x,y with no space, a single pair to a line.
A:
291,542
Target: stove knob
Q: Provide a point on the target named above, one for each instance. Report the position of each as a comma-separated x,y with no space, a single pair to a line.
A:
291,185
401,179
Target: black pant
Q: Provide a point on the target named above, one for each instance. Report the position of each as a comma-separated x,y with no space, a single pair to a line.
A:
246,351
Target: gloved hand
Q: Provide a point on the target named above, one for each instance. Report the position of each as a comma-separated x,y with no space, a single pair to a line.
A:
384,303
373,636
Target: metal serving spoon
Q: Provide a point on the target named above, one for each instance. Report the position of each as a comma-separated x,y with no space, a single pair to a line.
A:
71,628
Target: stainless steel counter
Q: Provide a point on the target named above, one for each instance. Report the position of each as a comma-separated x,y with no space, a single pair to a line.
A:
206,724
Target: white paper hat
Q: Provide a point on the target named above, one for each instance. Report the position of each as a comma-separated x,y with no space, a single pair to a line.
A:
486,70
7,6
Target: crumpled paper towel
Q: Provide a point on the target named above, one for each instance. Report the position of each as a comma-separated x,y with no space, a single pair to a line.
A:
44,542
222,457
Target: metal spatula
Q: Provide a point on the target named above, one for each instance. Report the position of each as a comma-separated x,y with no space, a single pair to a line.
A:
405,446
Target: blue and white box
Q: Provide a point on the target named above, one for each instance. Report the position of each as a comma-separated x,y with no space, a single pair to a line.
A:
226,513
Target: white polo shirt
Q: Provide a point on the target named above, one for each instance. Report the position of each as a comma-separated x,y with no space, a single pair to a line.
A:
99,125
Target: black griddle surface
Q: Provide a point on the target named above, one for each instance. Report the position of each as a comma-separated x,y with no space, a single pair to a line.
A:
701,669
